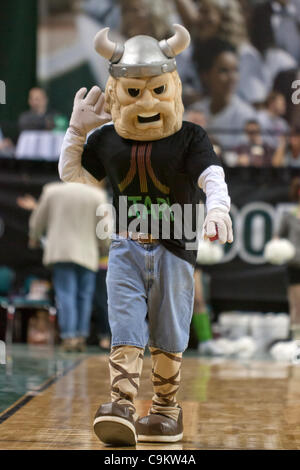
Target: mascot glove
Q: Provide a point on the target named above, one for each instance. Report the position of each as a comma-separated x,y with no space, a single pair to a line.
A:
88,112
218,224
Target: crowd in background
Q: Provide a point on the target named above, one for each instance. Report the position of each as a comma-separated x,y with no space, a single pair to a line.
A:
246,57
237,74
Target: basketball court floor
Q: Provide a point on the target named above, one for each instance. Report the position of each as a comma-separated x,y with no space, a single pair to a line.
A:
48,400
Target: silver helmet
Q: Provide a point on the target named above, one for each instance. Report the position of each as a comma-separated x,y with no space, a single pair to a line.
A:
142,56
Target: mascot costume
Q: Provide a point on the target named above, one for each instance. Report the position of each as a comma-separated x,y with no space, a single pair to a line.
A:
154,162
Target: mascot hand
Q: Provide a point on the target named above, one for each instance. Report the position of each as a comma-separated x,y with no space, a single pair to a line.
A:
217,224
88,112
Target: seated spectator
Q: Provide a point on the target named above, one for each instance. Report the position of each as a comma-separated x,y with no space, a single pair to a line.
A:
39,117
288,153
260,59
254,152
272,123
226,113
263,59
281,20
207,19
145,17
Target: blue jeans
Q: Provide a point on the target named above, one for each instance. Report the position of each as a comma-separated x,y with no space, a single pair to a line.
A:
150,296
74,288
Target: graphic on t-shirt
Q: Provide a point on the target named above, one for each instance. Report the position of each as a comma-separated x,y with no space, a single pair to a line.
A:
158,209
141,160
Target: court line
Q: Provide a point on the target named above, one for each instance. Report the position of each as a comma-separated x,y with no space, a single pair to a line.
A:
33,393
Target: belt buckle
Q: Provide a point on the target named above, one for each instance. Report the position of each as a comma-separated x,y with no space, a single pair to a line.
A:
144,238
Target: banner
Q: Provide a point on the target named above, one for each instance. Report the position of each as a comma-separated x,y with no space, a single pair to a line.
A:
242,281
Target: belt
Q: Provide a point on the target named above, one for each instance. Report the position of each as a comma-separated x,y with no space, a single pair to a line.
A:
139,237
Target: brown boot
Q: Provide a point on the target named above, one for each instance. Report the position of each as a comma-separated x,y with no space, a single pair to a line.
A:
164,421
114,422
159,428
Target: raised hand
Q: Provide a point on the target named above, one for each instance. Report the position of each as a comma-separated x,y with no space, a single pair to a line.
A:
88,111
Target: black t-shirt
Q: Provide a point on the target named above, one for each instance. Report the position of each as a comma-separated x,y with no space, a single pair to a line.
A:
152,177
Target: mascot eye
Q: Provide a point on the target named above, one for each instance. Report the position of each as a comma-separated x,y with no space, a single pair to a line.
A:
133,91
160,89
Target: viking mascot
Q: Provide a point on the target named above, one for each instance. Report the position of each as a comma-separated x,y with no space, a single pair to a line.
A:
157,166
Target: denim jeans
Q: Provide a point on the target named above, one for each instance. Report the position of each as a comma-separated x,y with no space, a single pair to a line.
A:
74,288
150,296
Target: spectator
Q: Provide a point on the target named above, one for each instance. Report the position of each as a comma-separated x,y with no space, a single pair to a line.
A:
150,17
272,123
288,153
226,113
263,60
280,21
66,213
254,152
39,117
207,19
260,60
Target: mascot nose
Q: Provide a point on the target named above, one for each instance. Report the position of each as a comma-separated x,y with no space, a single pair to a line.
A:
147,100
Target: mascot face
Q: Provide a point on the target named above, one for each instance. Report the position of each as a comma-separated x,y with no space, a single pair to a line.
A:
143,92
148,108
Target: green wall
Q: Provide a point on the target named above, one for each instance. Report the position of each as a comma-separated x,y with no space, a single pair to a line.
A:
18,32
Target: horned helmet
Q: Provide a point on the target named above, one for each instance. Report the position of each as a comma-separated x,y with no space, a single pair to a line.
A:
143,92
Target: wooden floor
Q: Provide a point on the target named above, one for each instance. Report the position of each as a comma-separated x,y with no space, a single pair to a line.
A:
226,405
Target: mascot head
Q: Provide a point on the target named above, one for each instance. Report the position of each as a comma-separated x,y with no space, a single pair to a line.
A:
143,92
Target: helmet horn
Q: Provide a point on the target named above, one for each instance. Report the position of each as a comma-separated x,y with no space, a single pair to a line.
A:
106,48
180,40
